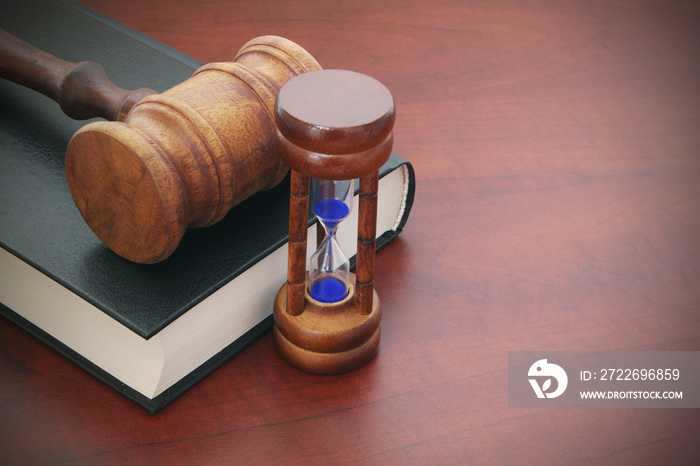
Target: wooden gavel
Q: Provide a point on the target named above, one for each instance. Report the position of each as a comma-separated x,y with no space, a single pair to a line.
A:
168,161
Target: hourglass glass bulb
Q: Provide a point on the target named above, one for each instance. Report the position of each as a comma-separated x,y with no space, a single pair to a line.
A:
329,272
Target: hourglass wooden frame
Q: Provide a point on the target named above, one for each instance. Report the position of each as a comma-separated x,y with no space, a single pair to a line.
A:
333,125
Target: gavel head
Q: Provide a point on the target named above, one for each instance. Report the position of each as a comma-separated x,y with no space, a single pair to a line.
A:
183,158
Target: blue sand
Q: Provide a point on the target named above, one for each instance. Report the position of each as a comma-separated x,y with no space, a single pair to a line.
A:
331,211
329,290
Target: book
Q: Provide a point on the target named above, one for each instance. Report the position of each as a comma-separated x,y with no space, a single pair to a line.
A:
148,331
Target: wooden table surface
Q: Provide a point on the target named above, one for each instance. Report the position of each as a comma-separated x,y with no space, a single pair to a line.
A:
557,152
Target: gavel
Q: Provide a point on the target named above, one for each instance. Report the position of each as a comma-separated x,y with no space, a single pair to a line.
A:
165,162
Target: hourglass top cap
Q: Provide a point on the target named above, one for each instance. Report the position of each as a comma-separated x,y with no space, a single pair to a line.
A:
331,113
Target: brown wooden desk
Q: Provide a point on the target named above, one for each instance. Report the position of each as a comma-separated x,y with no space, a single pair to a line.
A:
557,149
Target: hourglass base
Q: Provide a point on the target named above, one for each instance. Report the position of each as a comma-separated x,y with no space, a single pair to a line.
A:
327,338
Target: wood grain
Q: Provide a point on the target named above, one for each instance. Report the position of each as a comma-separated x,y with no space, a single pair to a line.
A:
185,157
556,147
165,162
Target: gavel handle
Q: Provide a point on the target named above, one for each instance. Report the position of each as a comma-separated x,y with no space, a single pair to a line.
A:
83,90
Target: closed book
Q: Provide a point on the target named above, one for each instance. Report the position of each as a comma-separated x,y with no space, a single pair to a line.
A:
148,331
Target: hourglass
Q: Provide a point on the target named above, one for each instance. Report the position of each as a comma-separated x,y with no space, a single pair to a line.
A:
332,127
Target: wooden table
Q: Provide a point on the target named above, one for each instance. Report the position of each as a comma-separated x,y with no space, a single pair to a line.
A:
557,152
